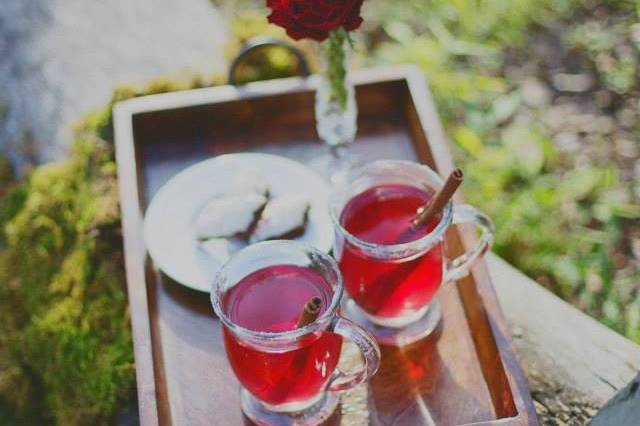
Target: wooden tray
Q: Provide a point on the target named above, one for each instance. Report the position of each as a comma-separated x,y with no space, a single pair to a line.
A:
466,373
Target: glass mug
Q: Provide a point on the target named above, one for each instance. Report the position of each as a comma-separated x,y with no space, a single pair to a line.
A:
288,375
392,274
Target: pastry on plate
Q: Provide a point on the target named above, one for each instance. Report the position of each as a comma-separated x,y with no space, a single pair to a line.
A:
230,216
246,181
221,249
284,217
216,248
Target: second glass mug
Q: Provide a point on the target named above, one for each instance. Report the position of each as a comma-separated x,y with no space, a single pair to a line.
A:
393,287
290,377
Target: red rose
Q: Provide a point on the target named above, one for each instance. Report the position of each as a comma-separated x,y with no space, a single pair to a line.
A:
315,18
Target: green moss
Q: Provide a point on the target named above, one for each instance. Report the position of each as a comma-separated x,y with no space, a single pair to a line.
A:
64,323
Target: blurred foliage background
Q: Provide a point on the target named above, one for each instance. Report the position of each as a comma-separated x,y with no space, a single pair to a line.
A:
540,99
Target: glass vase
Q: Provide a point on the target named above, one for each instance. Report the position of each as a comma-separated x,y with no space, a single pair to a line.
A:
336,111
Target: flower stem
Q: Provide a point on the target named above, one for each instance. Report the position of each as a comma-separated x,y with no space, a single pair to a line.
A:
336,71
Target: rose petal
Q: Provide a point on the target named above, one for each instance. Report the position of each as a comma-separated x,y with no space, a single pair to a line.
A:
314,19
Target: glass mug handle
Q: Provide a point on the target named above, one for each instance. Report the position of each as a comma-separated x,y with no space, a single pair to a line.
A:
369,349
460,266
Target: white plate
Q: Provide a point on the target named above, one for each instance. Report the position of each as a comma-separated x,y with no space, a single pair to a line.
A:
169,230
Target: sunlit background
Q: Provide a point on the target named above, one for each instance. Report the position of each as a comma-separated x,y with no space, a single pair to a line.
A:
540,100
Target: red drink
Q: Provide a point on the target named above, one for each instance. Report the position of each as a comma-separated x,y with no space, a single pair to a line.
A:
389,288
271,300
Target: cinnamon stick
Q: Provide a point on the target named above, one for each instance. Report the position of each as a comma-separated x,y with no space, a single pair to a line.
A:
310,312
429,211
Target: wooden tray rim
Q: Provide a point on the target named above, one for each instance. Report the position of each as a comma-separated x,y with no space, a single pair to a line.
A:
132,217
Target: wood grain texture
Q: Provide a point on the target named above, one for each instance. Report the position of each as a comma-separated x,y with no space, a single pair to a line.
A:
134,258
561,344
467,373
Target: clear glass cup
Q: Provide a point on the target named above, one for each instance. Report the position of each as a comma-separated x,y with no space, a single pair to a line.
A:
393,288
290,377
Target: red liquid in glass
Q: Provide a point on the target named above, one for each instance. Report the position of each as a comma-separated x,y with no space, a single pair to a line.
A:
271,299
389,289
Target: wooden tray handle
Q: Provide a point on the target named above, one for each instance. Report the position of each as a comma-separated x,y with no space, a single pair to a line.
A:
261,42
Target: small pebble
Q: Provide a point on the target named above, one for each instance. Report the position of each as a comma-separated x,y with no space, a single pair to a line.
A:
576,83
603,98
626,117
624,52
567,141
590,411
594,282
555,117
635,247
634,31
535,93
540,408
589,123
603,124
626,148
605,62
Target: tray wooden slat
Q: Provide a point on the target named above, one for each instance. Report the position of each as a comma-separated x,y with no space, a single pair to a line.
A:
466,373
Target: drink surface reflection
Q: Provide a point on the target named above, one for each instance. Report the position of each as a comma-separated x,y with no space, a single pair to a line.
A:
270,300
381,287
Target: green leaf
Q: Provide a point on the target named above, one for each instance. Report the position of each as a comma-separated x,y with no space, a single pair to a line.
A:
506,106
581,183
526,144
567,272
468,139
399,31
